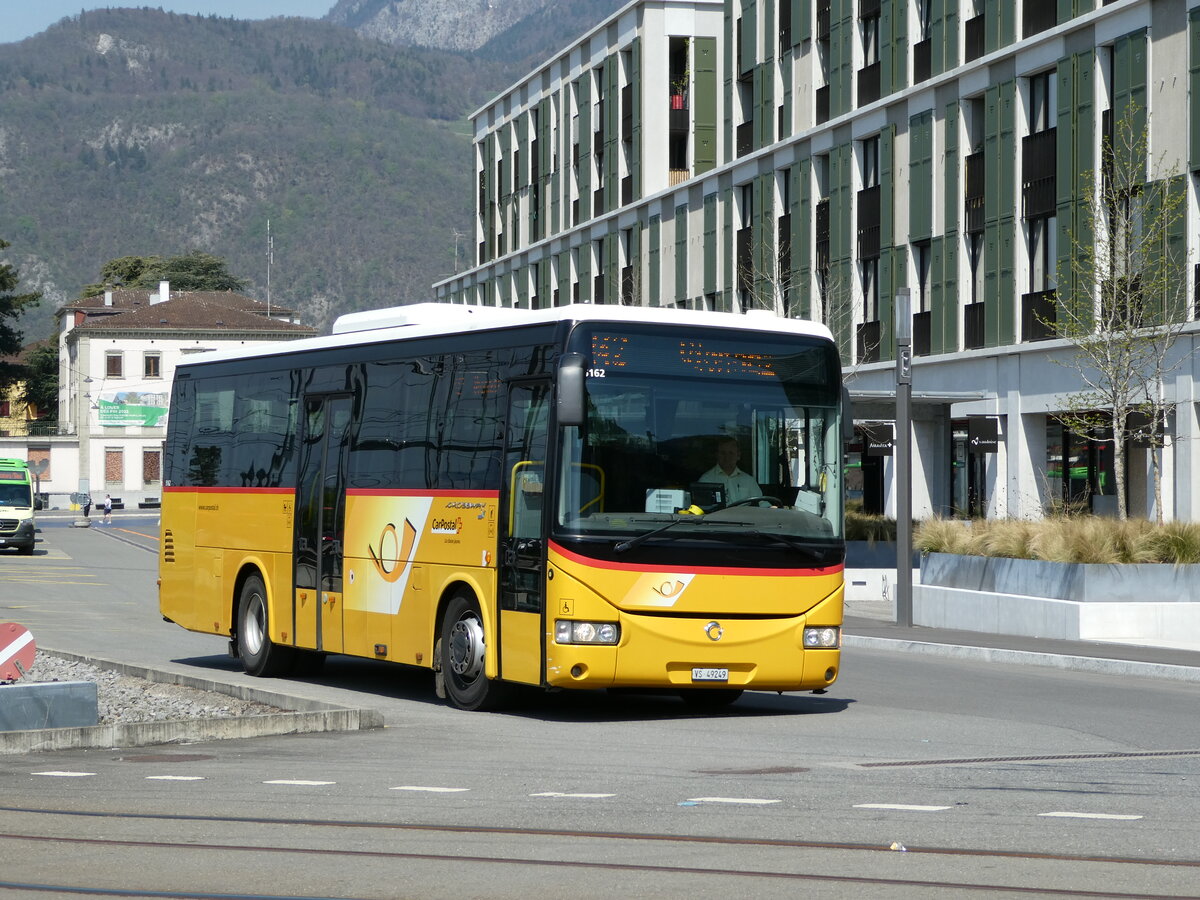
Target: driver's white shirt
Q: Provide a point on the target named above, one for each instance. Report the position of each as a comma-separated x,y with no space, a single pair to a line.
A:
738,486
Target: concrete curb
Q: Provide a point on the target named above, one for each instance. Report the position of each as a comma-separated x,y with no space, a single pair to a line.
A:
1097,665
302,716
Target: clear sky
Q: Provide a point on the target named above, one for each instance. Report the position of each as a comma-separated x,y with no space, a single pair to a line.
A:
21,18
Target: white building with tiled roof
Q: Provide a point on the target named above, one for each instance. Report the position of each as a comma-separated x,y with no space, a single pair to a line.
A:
117,357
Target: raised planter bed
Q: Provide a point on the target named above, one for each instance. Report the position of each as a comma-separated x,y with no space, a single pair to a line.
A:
1074,601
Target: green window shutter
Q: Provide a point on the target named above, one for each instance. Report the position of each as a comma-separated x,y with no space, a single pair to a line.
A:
729,264
801,21
842,32
785,68
937,37
585,272
749,45
681,260
612,135
920,184
756,130
1000,24
952,167
635,168
1066,9
937,294
893,37
802,239
1129,88
841,180
887,186
612,269
564,277
1194,88
1175,301
766,114
704,108
950,293
762,241
770,38
584,136
654,294
710,244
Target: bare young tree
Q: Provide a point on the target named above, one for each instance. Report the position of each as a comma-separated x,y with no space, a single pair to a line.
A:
1122,298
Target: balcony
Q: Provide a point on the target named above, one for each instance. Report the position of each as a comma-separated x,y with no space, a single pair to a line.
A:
1038,316
869,83
922,60
868,222
974,332
822,104
866,342
1037,16
677,176
974,38
1038,161
922,333
745,138
973,209
678,116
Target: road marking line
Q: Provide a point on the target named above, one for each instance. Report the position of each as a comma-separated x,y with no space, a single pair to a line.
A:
1080,815
65,774
299,782
904,807
152,537
174,777
431,790
750,800
577,796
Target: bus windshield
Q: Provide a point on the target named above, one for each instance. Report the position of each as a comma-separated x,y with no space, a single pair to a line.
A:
17,496
713,438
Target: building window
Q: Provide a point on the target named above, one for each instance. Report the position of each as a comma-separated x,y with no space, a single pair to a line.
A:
114,364
1043,253
1041,101
975,258
870,162
152,365
870,286
922,257
114,467
151,466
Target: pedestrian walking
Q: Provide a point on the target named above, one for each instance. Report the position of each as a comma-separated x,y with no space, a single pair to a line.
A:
107,509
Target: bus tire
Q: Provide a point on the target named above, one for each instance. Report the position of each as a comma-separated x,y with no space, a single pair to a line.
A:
463,654
260,656
711,699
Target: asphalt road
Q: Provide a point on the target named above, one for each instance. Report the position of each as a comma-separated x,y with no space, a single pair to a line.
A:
914,776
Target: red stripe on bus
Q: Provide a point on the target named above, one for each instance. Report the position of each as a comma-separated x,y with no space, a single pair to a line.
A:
409,492
228,490
692,570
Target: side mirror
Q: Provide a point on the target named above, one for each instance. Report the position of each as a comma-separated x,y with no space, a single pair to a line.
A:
847,416
570,391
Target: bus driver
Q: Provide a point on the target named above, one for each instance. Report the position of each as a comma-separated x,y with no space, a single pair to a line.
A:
738,485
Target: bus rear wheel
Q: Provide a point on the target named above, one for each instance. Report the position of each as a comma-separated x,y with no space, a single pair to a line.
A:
259,655
463,655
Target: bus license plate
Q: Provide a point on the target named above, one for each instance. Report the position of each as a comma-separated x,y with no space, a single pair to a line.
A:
710,674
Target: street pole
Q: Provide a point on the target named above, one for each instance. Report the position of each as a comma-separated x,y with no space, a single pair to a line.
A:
903,457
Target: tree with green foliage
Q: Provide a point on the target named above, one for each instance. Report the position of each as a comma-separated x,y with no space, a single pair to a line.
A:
12,305
41,379
194,271
1122,298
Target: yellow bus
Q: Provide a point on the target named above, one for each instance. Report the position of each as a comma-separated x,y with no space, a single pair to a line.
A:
18,525
516,497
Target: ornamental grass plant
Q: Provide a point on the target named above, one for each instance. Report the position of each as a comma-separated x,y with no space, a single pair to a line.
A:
1070,539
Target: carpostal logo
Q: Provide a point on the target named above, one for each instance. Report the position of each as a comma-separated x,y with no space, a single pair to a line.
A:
446,526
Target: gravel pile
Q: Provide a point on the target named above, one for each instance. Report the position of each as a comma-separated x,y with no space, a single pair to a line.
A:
124,698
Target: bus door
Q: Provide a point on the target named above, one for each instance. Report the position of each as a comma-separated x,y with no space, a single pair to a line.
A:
522,550
320,523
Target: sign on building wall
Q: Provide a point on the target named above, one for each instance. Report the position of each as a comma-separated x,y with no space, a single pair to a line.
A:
132,408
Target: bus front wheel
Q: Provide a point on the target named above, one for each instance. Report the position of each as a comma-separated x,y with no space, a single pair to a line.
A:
259,655
463,654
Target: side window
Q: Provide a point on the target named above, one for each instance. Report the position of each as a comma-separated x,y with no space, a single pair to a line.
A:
470,444
392,447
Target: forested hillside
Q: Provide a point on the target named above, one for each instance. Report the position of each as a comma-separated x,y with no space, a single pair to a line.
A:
137,132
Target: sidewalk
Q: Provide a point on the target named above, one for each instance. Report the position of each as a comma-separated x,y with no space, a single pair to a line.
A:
871,624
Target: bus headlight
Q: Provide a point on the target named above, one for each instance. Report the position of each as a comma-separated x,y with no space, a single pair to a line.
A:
569,632
822,638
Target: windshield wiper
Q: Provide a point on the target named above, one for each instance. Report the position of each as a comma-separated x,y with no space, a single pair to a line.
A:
622,546
795,544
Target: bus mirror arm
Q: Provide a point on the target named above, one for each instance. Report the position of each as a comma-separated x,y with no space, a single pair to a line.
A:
847,416
571,407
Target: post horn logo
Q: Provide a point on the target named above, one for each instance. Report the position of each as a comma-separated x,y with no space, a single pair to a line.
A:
390,570
714,631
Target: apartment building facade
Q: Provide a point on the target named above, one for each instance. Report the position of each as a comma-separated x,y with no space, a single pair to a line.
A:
813,157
